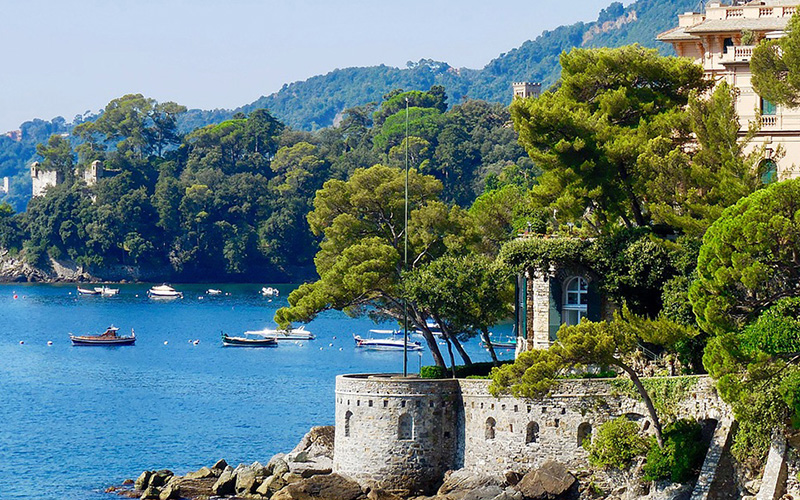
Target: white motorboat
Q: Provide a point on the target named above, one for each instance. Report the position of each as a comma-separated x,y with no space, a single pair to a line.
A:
164,292
213,291
433,326
299,333
269,291
106,291
385,344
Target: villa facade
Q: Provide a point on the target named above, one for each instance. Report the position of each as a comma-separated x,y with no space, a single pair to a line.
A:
722,39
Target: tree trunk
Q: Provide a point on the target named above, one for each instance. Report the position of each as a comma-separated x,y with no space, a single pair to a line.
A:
450,352
452,338
419,322
485,337
647,401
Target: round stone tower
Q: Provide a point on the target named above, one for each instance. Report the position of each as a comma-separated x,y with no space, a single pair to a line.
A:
400,433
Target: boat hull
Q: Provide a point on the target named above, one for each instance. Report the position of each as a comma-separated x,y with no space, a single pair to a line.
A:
385,345
245,342
98,341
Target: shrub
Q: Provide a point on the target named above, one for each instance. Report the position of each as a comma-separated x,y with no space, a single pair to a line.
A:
681,456
475,370
616,444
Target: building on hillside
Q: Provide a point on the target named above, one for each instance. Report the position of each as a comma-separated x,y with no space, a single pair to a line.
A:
722,39
4,187
42,179
14,135
523,90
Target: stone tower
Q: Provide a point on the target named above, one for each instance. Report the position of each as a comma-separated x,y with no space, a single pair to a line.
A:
523,90
43,179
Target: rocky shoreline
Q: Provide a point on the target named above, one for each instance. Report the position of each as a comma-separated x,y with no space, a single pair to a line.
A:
306,473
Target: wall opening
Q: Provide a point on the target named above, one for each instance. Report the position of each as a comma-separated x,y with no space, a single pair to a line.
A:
531,433
405,427
584,433
347,417
490,425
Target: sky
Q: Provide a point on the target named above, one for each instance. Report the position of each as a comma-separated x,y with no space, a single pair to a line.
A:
62,58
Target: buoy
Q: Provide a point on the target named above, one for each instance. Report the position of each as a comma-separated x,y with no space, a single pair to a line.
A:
49,342
320,348
15,297
196,342
301,345
21,342
334,337
165,342
330,345
340,348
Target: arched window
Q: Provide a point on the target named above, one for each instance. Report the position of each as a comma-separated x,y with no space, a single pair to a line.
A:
347,417
584,433
531,433
490,424
405,427
576,298
769,172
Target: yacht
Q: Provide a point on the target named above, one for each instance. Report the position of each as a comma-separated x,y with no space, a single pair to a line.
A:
385,344
164,292
299,333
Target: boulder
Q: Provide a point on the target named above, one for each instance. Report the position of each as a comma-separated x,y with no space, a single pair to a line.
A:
457,484
318,442
484,493
381,494
328,487
551,481
291,477
143,481
320,465
513,477
277,465
270,485
151,493
225,484
220,465
171,491
200,474
509,494
246,481
160,478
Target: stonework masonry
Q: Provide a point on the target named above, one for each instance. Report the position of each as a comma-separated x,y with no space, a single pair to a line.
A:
405,433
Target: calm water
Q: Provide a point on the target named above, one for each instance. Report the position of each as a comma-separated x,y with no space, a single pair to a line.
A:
74,420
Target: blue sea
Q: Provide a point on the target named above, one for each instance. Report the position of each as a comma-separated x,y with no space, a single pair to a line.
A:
75,420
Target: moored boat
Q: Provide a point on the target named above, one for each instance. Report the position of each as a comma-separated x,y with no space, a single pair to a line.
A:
88,291
213,291
248,341
299,333
501,344
164,292
106,291
433,326
109,337
385,344
269,291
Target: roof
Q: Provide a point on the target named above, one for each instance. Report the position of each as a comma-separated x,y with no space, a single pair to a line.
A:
675,34
739,24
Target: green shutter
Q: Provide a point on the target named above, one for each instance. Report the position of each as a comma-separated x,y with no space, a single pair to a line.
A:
594,309
556,299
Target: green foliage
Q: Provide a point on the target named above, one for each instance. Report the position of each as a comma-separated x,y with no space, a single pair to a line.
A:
776,331
666,392
590,133
681,456
747,261
475,370
776,69
615,444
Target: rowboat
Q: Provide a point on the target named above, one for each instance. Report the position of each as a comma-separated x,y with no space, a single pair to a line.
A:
109,337
213,291
500,344
88,291
385,344
247,341
299,333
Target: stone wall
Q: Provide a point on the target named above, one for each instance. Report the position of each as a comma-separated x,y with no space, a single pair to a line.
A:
400,433
458,424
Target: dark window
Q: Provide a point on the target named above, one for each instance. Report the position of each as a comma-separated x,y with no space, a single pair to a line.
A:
347,417
405,427
768,108
531,433
584,433
490,424
769,172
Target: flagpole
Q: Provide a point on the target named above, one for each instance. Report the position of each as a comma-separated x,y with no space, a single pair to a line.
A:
405,262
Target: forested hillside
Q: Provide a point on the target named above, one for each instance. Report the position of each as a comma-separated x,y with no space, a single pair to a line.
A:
321,100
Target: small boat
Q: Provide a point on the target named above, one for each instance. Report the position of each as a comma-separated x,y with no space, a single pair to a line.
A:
434,327
106,291
299,333
213,291
248,341
164,292
385,344
509,343
87,291
109,337
268,291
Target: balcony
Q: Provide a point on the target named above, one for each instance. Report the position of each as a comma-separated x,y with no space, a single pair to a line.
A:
741,53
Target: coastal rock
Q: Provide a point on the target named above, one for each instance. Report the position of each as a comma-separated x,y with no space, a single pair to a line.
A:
318,442
321,465
458,484
291,477
550,482
200,474
246,481
151,493
484,493
171,491
143,481
381,494
220,465
225,484
509,494
328,487
270,485
160,478
513,477
277,465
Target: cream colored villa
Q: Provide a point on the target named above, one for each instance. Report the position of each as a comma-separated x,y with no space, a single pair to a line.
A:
714,40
